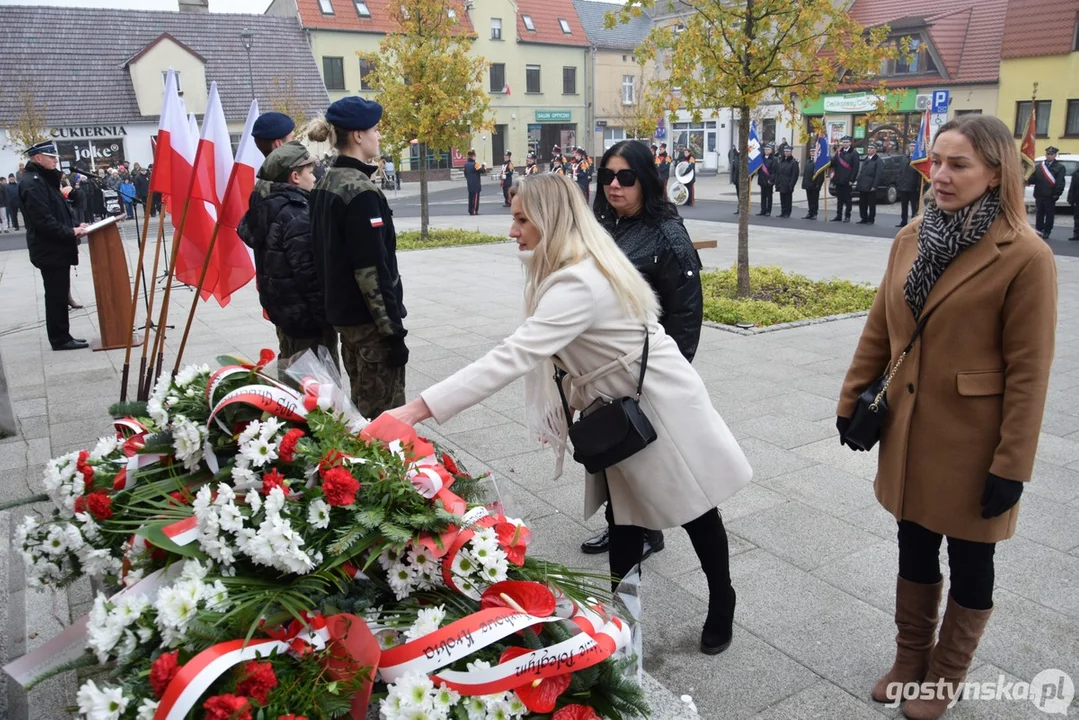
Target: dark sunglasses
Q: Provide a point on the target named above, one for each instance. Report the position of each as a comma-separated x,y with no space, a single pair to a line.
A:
626,178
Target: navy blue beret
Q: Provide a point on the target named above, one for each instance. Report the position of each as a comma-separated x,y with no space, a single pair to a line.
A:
272,126
354,113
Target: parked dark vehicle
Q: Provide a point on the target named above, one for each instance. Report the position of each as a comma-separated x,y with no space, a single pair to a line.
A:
886,187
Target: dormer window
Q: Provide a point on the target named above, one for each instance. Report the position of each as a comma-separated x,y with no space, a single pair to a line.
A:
362,10
565,26
911,57
529,25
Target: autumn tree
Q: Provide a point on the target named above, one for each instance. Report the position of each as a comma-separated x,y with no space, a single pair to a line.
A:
30,126
740,53
430,85
285,99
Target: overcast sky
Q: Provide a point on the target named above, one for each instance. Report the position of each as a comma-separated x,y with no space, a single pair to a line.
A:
234,6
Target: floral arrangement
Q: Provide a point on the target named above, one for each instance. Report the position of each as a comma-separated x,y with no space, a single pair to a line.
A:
273,556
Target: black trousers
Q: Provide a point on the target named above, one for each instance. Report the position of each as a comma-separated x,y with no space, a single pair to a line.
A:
13,216
813,201
473,203
971,564
155,205
709,539
692,193
1045,213
909,200
506,185
867,205
843,195
786,202
1075,219
57,281
766,199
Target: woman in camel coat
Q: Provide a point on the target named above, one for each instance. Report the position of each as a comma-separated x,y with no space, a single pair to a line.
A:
966,404
587,311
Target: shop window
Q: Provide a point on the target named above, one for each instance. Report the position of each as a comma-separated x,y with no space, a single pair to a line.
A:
1041,118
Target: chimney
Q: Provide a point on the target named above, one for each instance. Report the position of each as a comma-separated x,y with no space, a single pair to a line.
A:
194,6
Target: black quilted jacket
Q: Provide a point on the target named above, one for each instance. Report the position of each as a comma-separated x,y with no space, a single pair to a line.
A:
278,229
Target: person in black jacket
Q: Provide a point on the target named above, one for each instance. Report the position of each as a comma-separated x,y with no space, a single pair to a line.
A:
1073,198
506,178
11,201
631,205
473,181
355,248
844,171
811,183
1048,180
786,181
142,186
733,160
869,174
52,238
277,228
909,186
766,179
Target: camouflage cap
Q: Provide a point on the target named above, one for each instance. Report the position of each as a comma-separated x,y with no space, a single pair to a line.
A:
281,162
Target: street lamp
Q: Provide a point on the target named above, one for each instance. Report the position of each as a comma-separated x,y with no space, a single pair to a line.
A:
248,39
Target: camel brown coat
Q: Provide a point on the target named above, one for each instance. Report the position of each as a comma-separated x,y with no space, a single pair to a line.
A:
968,399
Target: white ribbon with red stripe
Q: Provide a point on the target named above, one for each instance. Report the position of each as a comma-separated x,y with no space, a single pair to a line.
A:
183,532
70,645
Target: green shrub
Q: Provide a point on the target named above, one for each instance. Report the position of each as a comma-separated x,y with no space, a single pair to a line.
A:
410,239
779,297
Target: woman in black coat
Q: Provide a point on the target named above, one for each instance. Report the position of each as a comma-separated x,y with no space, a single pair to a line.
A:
277,227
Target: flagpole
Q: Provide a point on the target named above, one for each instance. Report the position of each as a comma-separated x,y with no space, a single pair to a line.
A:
195,301
134,305
141,392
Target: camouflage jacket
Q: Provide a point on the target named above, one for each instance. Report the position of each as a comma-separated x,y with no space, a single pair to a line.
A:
356,249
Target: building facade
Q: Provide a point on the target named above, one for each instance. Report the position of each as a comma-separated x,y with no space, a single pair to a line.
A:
108,114
1041,45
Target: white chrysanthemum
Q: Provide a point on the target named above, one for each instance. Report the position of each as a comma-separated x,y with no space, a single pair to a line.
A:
195,570
127,645
499,710
445,699
389,557
130,606
485,535
517,708
105,446
249,433
388,639
147,709
421,557
188,440
464,565
476,708
318,514
485,552
428,620
416,690
216,596
253,500
428,579
98,562
259,452
243,477
102,631
496,571
55,543
401,579
270,427
134,577
106,703
190,374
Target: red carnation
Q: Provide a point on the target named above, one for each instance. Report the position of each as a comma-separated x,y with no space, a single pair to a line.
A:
180,497
273,479
258,680
100,505
227,707
87,477
329,461
287,450
84,456
80,504
450,465
339,486
576,712
163,670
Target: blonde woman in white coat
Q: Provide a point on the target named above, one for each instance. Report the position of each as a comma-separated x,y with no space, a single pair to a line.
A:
586,310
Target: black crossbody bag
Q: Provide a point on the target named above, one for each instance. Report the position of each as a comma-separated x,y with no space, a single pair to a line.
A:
613,431
867,420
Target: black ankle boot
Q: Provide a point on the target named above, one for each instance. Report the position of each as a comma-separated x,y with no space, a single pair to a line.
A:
719,627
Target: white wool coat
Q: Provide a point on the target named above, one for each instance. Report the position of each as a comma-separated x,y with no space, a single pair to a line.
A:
694,464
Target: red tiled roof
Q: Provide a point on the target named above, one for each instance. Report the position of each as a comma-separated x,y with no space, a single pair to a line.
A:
965,33
1039,27
545,15
345,16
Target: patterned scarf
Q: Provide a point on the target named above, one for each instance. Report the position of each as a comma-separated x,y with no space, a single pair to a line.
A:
941,237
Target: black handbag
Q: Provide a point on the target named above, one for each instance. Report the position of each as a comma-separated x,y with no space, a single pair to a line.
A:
867,420
613,431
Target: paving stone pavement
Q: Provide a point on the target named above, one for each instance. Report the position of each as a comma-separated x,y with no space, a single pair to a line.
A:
813,555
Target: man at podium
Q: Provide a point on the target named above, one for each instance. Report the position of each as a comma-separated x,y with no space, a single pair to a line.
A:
52,238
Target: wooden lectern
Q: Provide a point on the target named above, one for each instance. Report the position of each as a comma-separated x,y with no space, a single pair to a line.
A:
112,288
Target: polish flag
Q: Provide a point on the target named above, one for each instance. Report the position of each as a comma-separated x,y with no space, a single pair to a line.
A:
230,267
241,184
161,178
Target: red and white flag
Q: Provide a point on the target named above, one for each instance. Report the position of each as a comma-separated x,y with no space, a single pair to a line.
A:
242,182
230,266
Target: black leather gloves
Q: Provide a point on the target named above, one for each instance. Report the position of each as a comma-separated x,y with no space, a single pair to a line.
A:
398,351
1000,496
841,424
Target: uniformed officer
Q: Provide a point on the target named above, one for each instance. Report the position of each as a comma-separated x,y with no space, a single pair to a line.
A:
687,157
844,172
559,165
870,173
473,181
582,172
766,179
506,177
1048,180
663,165
272,130
1073,198
52,238
355,249
531,168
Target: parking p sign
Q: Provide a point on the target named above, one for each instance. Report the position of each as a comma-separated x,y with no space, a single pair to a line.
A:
940,102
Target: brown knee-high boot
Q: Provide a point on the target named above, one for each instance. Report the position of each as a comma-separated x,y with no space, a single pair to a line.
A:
960,633
917,609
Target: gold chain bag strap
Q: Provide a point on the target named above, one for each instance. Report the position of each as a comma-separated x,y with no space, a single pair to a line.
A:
867,420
